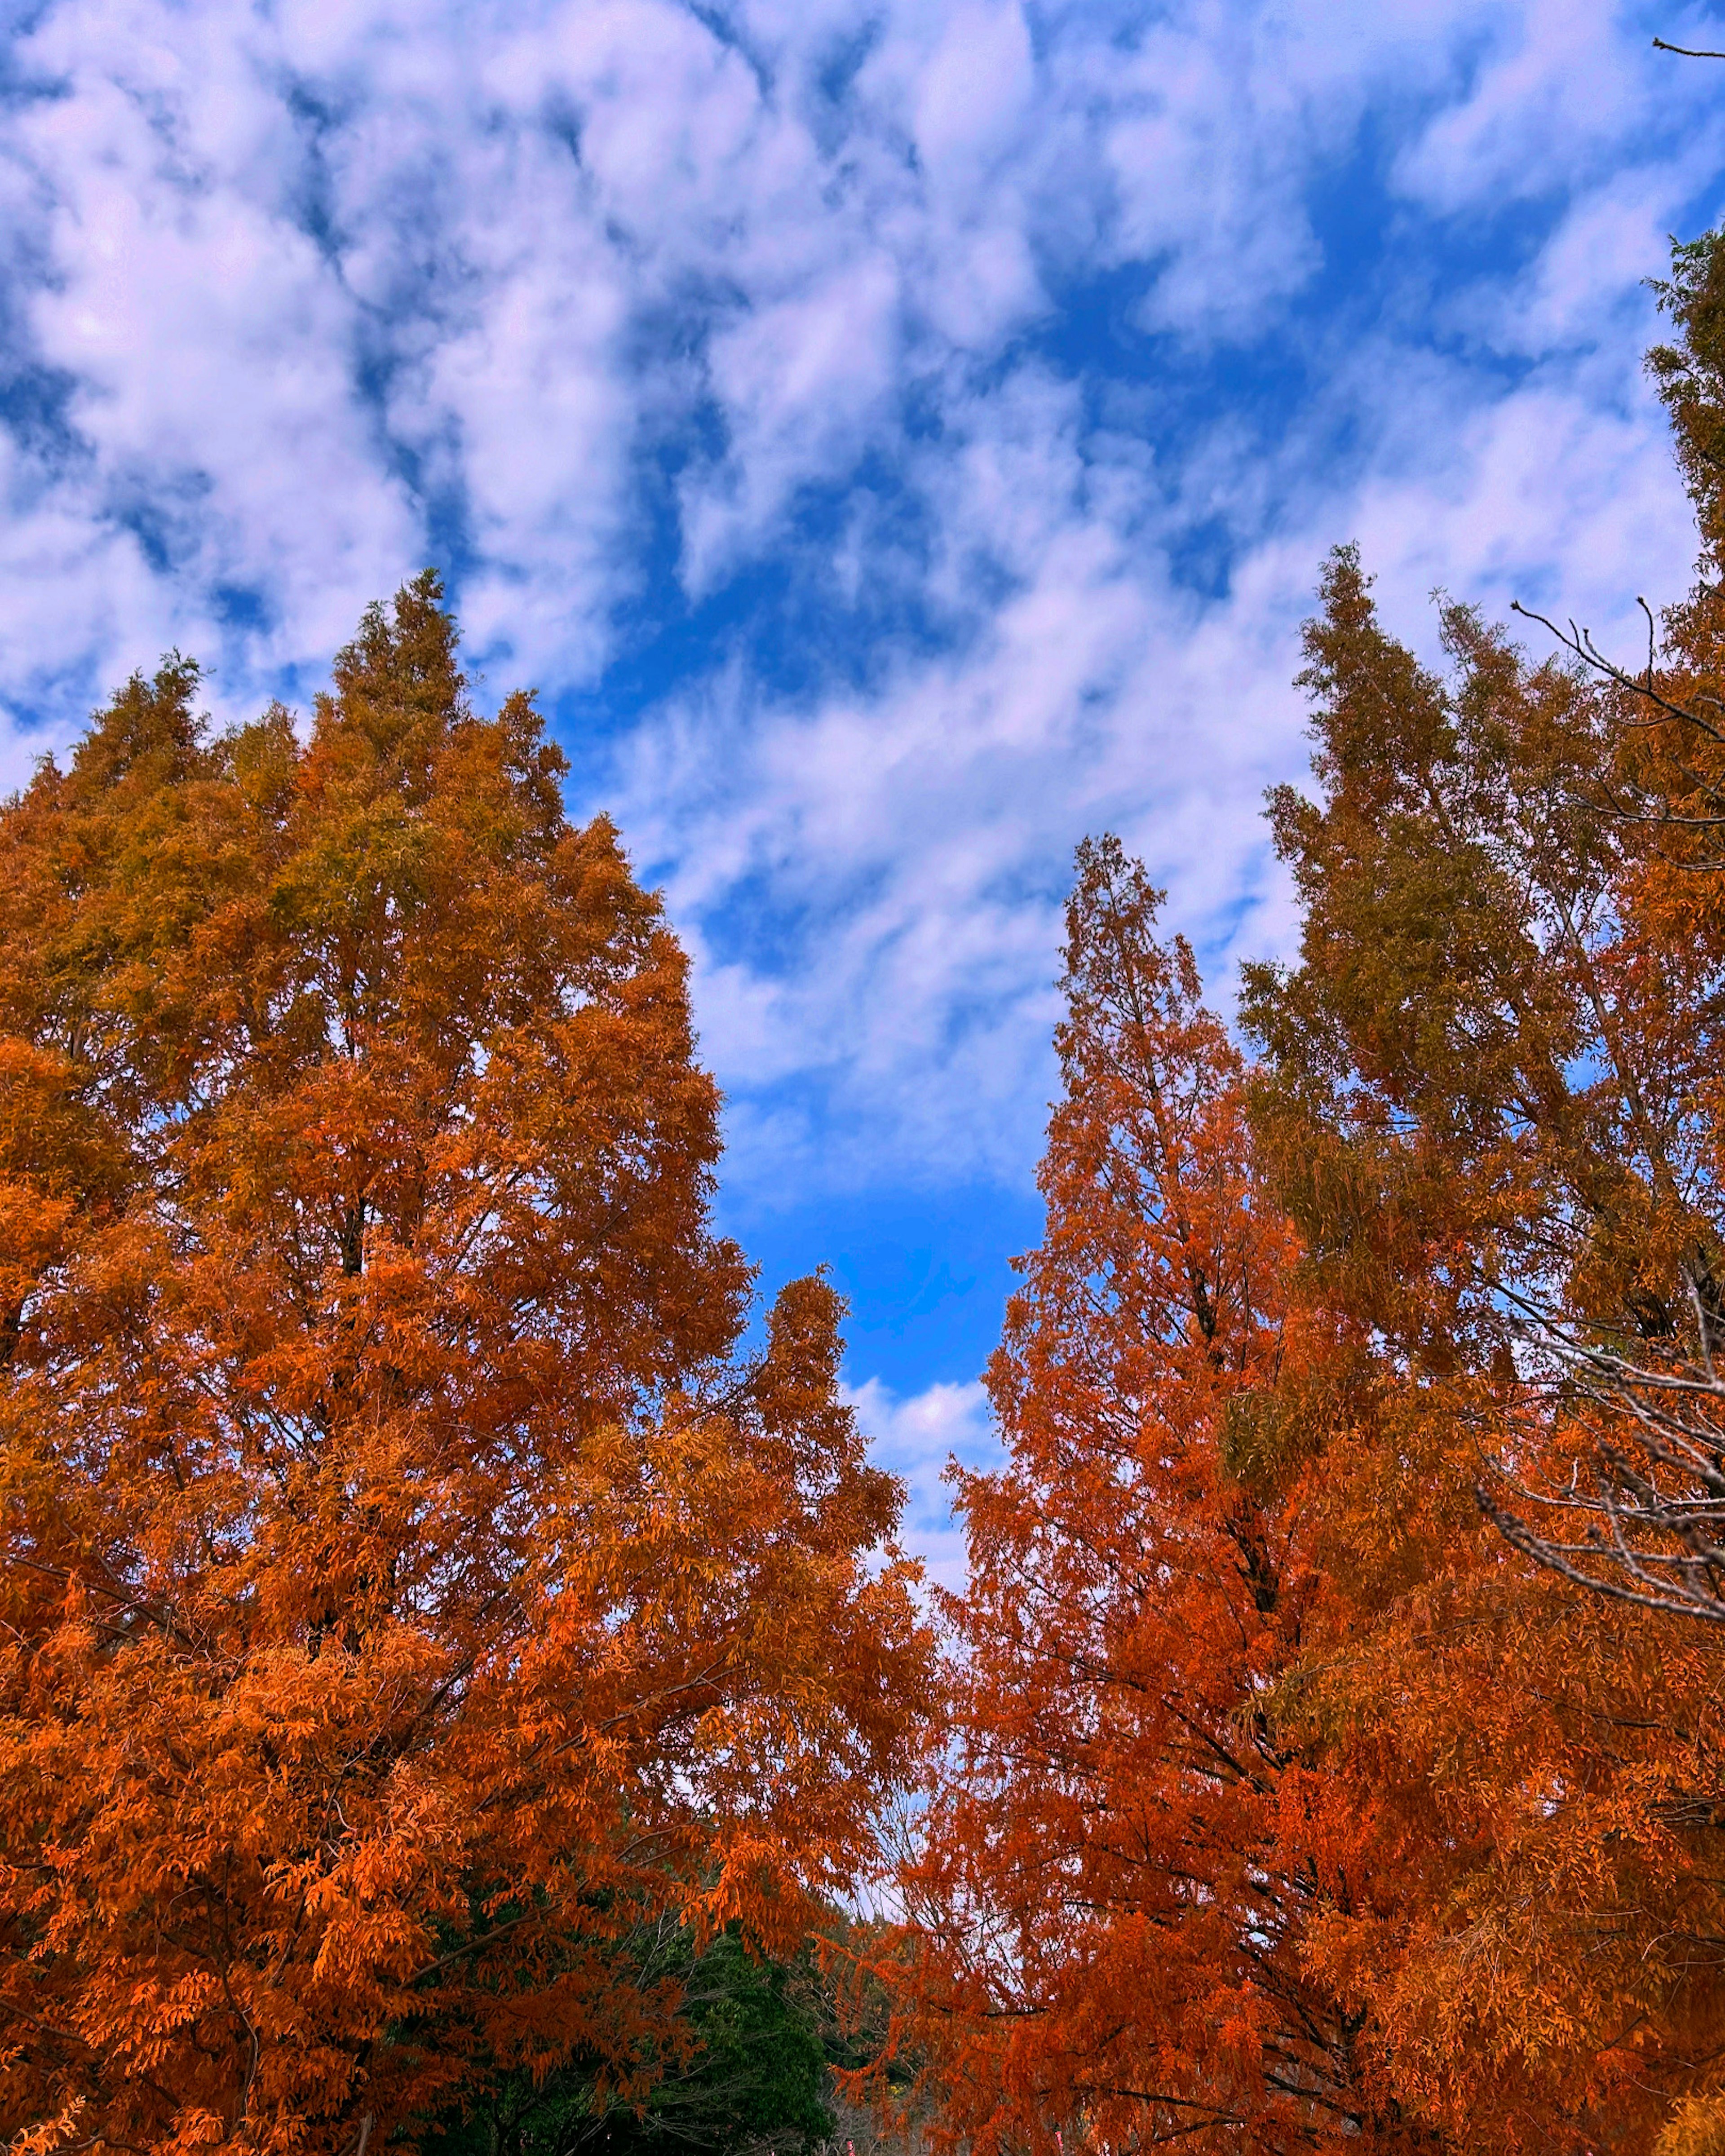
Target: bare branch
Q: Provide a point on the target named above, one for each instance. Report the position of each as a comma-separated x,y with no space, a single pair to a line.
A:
1650,1528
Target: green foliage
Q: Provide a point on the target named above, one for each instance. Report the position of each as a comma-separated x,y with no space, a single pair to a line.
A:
1690,379
745,2067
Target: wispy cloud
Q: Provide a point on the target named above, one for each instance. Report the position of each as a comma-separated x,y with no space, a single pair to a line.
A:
914,1436
898,438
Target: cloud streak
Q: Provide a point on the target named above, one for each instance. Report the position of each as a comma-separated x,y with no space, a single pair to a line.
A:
897,439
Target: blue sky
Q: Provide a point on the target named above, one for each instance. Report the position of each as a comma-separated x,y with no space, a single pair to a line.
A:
897,436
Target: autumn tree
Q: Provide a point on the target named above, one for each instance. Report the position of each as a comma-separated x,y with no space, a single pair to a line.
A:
1479,1099
1125,1854
418,1577
1643,1517
1289,1803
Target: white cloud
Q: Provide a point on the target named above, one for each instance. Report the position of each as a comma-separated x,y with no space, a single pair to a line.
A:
321,290
917,834
914,1437
803,381
1555,90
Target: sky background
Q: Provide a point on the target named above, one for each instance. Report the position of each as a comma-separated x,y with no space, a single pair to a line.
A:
897,437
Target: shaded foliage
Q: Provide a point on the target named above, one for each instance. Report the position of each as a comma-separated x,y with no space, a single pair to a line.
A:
742,2066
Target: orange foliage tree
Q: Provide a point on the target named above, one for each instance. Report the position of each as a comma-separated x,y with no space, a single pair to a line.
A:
1290,1805
1482,1100
1646,1522
1121,1864
413,1578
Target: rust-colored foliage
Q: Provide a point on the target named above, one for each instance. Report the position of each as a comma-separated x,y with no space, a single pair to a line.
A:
1481,1099
410,1581
1291,1806
1121,1868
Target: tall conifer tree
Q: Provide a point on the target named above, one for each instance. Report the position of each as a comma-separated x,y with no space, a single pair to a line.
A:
1393,1839
411,1582
1123,1863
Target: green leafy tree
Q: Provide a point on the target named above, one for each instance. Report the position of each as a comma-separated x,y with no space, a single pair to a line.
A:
741,2065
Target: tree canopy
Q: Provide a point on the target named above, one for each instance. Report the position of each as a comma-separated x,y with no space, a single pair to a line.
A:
1340,1759
454,1653
419,1576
